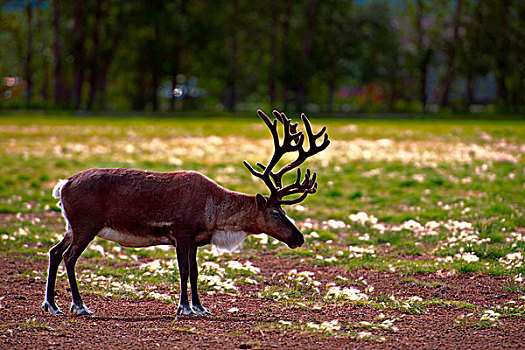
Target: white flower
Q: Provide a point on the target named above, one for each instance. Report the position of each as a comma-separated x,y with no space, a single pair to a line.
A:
357,252
418,177
312,325
300,207
514,256
380,227
335,224
21,232
361,218
328,327
159,296
414,299
263,238
491,316
98,248
353,294
364,335
247,266
468,257
364,237
412,225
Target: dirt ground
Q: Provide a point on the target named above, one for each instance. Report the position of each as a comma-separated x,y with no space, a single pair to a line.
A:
149,324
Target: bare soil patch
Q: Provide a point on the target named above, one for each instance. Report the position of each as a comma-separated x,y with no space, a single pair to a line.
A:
132,324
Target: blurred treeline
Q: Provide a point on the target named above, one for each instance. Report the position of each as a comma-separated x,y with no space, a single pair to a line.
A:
329,55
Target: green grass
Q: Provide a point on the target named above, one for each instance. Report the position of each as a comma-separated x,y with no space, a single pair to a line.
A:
438,194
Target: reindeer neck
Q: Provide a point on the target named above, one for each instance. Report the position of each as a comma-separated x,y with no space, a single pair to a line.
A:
231,211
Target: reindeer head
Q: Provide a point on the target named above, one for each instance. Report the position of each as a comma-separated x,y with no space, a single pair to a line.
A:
271,218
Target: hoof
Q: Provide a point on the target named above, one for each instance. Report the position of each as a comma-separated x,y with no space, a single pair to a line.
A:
185,310
81,310
53,309
200,310
195,310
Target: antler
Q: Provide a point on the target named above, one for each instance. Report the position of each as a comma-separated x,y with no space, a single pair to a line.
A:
292,142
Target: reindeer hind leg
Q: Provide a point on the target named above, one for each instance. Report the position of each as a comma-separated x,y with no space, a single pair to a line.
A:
81,239
55,257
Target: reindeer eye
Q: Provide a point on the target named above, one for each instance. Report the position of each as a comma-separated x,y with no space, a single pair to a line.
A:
275,213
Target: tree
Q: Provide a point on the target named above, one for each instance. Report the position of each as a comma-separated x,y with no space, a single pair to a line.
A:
452,45
338,36
424,51
60,83
28,69
274,27
127,52
78,50
230,92
42,26
380,52
285,67
311,16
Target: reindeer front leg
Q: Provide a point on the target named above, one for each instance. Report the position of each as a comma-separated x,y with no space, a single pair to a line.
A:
183,260
194,272
187,260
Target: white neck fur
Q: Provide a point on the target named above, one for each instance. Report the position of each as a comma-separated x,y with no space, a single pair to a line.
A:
227,241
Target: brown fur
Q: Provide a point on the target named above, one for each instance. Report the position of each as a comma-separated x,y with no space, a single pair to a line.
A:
183,208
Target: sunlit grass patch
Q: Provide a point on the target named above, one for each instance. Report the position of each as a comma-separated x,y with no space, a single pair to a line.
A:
294,284
364,330
394,197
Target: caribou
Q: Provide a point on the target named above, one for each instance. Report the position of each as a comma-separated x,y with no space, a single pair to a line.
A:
185,209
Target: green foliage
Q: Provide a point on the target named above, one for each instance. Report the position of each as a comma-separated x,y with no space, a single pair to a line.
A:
330,56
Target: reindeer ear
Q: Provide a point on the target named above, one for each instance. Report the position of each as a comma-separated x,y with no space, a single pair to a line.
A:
261,201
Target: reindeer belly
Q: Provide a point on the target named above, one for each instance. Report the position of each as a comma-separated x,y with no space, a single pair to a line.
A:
134,240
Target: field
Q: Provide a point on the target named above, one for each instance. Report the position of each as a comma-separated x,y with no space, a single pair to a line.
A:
415,238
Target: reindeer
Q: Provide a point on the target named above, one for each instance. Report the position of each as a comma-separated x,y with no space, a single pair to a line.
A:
185,209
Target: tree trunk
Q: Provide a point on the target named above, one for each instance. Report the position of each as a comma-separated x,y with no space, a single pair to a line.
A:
470,92
94,59
155,79
79,34
284,52
106,61
60,87
393,94
45,69
230,93
302,83
273,51
139,102
102,82
501,56
423,55
332,82
502,91
154,89
29,54
518,96
449,74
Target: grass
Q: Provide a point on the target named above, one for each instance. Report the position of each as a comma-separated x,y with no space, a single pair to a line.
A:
404,196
